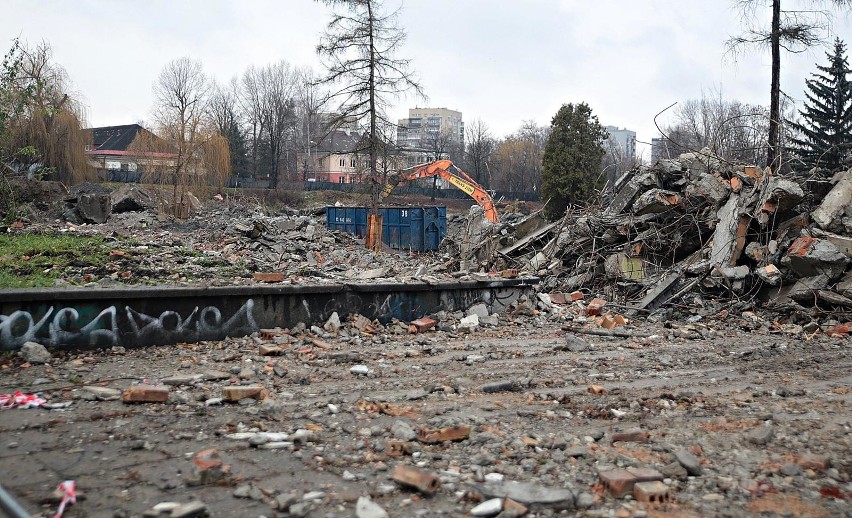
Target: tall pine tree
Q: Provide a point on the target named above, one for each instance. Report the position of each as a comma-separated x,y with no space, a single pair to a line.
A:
572,159
824,137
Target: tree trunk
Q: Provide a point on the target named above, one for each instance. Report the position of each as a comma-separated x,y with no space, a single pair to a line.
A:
774,151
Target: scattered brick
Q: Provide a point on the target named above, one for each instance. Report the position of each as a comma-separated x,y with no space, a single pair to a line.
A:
618,482
631,436
595,306
238,392
558,298
651,492
596,389
268,277
397,448
511,273
269,350
512,508
423,481
455,433
646,474
422,324
814,462
146,394
576,295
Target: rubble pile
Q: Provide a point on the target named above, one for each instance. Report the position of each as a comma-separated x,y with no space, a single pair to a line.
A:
689,227
222,243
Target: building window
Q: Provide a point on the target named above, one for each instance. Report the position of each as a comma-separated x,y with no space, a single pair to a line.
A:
342,179
342,162
352,162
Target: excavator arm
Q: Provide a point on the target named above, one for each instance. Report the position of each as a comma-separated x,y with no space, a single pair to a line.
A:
459,179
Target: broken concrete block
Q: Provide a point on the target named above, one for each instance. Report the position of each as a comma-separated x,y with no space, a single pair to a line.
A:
843,243
735,272
625,196
333,324
469,322
624,267
530,495
711,188
810,256
130,198
94,207
34,352
804,290
770,274
829,213
729,235
480,310
655,201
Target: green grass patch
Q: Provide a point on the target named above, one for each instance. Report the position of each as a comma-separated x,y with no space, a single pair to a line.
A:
37,260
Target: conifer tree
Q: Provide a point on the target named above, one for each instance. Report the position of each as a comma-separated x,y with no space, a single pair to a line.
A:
824,136
572,158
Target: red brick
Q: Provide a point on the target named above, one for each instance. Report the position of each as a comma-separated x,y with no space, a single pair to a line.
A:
423,324
455,433
558,298
577,295
512,508
268,277
814,462
419,479
618,482
146,394
631,436
509,274
595,306
652,492
645,474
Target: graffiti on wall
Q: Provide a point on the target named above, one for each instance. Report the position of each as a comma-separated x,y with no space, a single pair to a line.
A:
63,327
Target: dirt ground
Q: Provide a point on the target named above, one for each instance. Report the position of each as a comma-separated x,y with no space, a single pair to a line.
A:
760,419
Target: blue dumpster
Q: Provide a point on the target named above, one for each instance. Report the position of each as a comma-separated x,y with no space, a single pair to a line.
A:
419,229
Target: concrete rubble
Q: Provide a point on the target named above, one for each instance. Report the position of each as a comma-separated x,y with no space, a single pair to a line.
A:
686,354
694,231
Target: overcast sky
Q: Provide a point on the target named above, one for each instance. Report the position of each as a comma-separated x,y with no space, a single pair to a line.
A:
501,61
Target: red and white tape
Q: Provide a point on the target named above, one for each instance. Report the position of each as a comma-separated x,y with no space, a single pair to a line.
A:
19,399
68,488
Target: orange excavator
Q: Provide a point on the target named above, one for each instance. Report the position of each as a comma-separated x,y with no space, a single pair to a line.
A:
459,178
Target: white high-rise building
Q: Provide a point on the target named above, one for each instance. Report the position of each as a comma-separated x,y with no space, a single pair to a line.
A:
426,128
621,140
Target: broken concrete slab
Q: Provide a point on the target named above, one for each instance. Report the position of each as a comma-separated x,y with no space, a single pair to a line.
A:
809,256
530,495
828,214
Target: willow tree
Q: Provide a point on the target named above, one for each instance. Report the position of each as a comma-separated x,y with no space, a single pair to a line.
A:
196,154
44,134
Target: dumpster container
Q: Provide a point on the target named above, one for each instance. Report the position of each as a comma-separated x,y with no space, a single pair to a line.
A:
419,229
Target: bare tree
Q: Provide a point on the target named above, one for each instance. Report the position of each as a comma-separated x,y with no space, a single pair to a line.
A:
732,130
791,30
518,158
478,151
199,153
358,49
